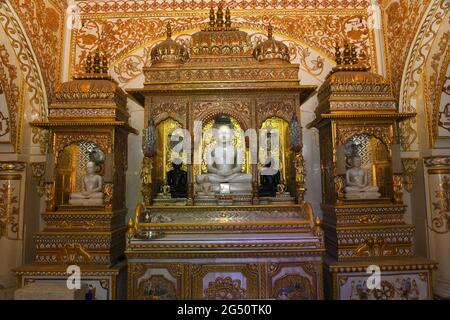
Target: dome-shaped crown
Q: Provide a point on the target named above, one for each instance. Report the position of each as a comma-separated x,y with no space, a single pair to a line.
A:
169,52
271,50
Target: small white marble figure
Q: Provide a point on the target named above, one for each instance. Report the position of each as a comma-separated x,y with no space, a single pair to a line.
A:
206,188
224,163
357,183
92,194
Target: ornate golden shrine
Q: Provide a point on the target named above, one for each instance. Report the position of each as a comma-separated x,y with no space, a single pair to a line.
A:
87,121
357,116
173,246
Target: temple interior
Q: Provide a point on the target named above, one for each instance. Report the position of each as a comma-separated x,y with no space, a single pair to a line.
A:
207,150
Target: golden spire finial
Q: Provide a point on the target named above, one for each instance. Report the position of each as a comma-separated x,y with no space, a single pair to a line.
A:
89,63
212,18
228,18
97,61
219,20
347,54
270,31
338,54
354,54
104,64
169,30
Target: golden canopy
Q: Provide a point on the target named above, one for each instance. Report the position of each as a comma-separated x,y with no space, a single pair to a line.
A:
272,51
168,53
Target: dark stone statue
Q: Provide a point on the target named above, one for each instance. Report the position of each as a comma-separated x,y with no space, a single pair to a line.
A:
177,180
269,180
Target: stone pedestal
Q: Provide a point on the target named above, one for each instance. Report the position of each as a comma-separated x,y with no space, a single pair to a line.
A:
400,279
100,282
248,252
50,291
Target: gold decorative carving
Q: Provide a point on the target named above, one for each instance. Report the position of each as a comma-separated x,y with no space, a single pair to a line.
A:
372,247
9,209
102,140
300,177
407,79
27,60
293,287
8,83
339,182
409,172
157,287
146,179
384,133
50,196
398,189
38,171
11,166
73,253
44,34
225,288
239,110
42,138
108,191
441,223
170,109
283,109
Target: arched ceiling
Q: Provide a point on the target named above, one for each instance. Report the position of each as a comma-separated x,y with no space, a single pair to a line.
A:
127,25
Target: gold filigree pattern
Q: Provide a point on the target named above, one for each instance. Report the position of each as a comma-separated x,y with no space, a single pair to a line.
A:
225,289
43,21
38,171
73,253
401,19
8,77
372,247
9,210
441,223
409,172
319,32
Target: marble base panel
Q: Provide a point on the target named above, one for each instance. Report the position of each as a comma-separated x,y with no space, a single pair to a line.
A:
101,283
400,279
296,278
50,291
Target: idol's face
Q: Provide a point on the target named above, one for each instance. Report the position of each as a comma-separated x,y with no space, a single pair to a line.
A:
224,134
357,162
90,167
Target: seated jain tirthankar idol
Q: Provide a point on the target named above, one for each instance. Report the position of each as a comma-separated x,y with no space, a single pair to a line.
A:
177,180
224,162
270,178
92,193
358,184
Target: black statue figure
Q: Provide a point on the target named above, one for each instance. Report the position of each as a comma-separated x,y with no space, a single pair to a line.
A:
177,180
269,181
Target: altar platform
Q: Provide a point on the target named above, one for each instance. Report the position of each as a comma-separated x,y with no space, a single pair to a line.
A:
254,252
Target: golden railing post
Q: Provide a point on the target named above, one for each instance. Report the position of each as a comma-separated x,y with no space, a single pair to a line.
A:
146,179
300,177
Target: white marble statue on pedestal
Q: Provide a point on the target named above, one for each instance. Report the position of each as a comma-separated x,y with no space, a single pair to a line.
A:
92,194
224,162
357,183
